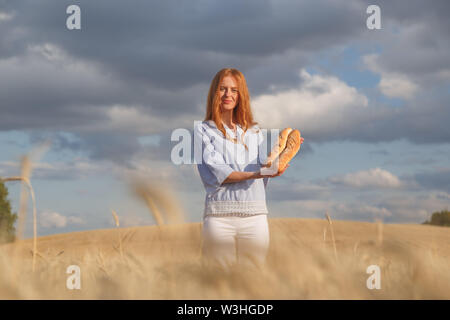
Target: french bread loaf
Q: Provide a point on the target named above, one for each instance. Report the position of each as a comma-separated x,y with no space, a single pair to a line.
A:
278,147
292,147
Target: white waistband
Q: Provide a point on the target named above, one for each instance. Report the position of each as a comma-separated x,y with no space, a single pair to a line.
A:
236,214
229,206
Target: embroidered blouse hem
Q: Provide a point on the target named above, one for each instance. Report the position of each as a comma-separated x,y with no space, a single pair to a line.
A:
229,207
234,214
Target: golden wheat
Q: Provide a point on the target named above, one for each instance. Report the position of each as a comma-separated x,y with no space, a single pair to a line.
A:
26,169
26,172
157,196
165,263
116,220
332,235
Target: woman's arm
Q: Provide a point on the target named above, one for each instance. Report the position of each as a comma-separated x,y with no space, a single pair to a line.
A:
237,176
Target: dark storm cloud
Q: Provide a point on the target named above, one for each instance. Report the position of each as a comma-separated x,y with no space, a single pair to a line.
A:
155,54
176,44
436,180
380,152
424,120
159,57
422,44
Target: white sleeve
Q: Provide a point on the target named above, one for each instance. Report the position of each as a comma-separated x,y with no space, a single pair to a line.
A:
212,165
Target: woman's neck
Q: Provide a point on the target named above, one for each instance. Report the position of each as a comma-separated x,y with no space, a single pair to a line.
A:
227,118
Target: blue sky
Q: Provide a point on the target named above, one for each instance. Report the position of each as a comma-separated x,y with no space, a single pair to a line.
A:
372,105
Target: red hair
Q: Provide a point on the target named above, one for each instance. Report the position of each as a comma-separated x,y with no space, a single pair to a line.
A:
242,113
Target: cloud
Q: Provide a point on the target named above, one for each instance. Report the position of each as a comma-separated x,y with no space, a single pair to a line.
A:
74,169
4,16
319,104
162,71
443,196
279,191
397,86
359,211
338,210
324,108
132,119
434,180
391,208
393,85
50,219
107,96
372,178
380,152
159,76
415,46
414,207
60,91
177,30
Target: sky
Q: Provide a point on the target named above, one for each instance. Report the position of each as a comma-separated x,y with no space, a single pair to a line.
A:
373,105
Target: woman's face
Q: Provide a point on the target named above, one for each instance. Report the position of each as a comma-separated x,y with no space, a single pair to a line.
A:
229,95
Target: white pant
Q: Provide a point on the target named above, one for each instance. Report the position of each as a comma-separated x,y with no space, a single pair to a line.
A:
227,240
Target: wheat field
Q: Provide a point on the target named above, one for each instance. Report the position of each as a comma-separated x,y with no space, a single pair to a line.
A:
164,262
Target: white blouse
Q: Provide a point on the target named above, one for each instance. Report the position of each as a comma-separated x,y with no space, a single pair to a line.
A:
217,158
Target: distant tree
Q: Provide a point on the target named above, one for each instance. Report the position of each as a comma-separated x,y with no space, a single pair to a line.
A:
441,218
7,218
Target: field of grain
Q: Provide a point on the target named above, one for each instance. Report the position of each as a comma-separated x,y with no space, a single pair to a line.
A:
308,259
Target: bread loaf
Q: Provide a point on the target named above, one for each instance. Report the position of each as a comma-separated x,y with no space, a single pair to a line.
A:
278,147
292,147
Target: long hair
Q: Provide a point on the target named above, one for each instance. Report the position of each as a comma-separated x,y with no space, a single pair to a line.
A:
242,113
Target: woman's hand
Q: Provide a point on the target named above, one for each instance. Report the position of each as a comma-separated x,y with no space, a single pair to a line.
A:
237,176
279,173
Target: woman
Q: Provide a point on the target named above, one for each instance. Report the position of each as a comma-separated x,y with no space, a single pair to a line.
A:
235,228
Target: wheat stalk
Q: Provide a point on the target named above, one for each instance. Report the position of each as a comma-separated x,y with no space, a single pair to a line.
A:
355,247
379,232
26,172
25,176
26,168
101,263
153,208
116,219
332,235
39,255
160,196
